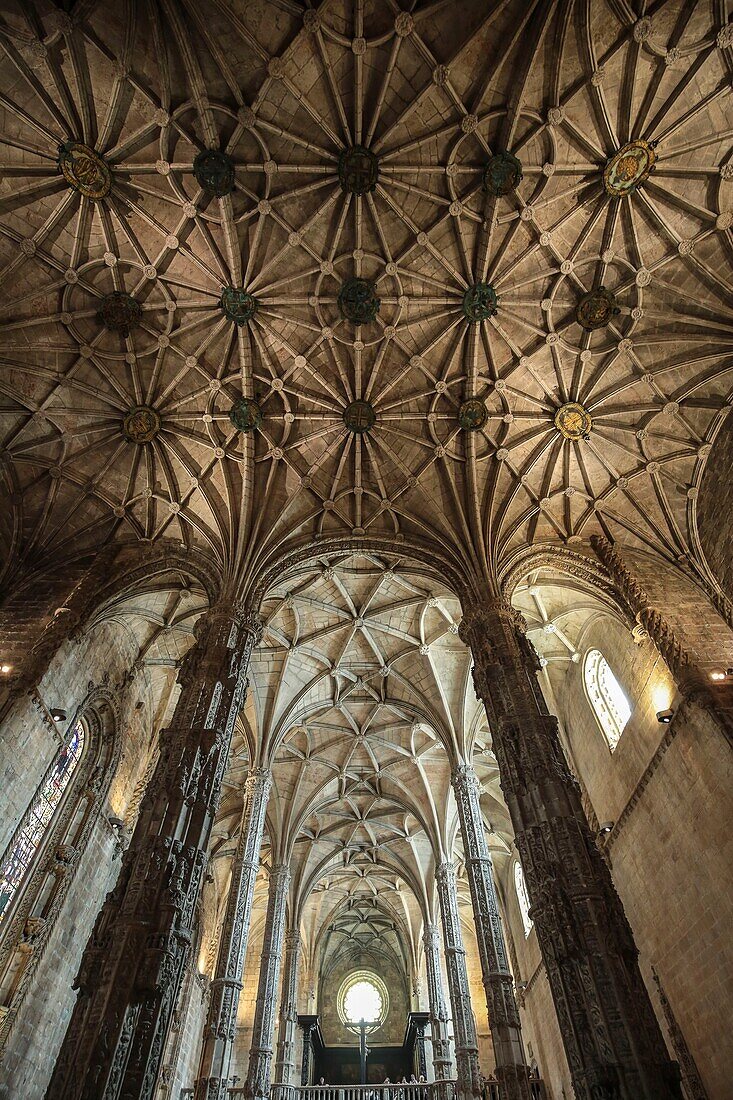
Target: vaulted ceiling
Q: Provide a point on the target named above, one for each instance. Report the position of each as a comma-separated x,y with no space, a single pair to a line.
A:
285,89
275,272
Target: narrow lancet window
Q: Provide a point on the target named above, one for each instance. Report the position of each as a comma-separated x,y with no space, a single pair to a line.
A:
37,821
610,705
523,898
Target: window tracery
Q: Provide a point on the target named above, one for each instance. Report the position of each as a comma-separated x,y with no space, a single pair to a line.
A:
606,696
38,819
523,898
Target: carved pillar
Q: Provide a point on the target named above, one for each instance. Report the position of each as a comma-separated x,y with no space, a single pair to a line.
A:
133,965
692,682
436,1001
260,1054
506,1035
691,1080
308,1025
464,1026
613,1043
226,986
285,1064
422,1068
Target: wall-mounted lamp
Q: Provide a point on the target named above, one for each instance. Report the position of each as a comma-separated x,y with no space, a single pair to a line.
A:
5,669
58,715
665,716
521,986
116,822
605,828
717,675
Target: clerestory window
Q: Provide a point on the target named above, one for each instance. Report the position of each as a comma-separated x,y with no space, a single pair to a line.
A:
523,898
38,819
606,696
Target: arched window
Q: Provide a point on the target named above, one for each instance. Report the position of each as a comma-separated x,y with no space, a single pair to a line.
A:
610,705
523,898
37,821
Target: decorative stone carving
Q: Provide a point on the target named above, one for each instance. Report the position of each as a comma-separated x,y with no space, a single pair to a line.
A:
246,415
226,986
628,168
479,302
359,417
260,1055
472,414
585,939
464,1026
285,1064
85,170
358,170
133,965
596,309
502,174
214,172
358,301
442,1066
512,1073
120,312
573,421
141,424
237,305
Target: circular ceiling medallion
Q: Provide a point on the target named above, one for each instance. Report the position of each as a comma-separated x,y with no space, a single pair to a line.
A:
573,421
628,168
237,304
595,310
84,170
359,417
479,302
358,301
246,415
472,414
141,424
214,171
358,170
119,312
503,172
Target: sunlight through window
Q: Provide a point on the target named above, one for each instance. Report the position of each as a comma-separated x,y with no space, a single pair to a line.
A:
363,1001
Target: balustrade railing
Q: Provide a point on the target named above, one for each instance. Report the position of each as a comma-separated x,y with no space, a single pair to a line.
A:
431,1090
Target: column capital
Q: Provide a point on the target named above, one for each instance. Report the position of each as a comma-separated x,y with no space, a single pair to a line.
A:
464,778
258,781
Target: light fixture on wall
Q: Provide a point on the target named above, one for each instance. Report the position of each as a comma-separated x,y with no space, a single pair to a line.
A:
605,828
58,715
717,675
116,822
665,716
5,669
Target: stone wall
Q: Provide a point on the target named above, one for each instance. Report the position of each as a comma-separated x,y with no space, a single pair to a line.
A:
392,1031
715,506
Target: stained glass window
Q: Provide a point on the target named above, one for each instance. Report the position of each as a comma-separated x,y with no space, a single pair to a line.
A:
523,898
610,705
38,819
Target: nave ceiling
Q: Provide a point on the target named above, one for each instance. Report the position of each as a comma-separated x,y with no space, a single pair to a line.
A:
285,90
401,345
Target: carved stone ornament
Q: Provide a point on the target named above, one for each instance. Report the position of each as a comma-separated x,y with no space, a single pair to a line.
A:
573,421
358,301
479,302
596,309
628,168
502,174
141,424
120,312
359,417
237,304
214,171
472,414
84,170
358,170
246,415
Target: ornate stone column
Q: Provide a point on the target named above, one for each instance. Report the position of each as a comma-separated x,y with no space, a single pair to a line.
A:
436,1001
226,986
308,1025
260,1053
511,1071
133,965
285,1064
613,1043
464,1027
